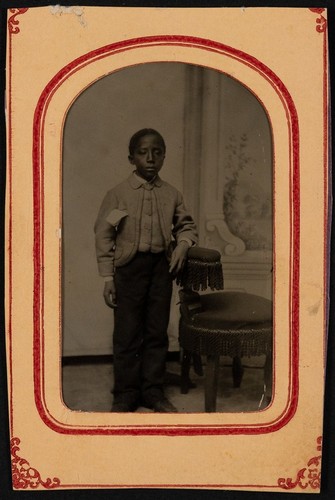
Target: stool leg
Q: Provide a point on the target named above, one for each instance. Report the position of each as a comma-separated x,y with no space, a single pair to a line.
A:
238,371
268,377
185,371
197,364
211,383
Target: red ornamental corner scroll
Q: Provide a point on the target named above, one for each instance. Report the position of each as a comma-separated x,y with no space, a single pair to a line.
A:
24,476
13,23
321,21
308,476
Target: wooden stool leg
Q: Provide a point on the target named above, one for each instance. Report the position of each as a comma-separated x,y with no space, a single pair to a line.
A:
268,376
211,383
197,364
238,371
185,371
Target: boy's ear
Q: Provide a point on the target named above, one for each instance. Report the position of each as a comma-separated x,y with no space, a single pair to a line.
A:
131,159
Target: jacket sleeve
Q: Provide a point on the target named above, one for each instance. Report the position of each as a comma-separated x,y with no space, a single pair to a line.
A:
183,224
105,236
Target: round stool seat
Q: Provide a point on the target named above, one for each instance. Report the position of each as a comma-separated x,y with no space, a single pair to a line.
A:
229,323
203,254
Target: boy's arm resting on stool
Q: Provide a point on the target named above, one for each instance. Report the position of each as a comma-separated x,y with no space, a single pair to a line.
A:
179,255
185,232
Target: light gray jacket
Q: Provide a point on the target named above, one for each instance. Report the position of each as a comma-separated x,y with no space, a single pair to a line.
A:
120,241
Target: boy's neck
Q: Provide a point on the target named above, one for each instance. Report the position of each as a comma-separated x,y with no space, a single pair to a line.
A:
143,179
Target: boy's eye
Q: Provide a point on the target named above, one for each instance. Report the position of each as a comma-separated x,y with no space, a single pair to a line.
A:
157,152
154,151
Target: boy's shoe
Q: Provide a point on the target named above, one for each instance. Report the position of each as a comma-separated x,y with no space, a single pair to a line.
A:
123,407
162,405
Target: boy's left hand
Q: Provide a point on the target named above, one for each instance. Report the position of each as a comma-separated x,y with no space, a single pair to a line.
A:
178,257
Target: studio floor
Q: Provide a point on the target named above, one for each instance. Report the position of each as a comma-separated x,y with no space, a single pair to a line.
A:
87,387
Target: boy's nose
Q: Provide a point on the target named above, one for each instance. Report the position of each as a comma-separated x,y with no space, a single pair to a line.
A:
150,156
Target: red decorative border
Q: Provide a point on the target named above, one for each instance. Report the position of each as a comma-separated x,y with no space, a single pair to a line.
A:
12,30
38,165
23,475
321,21
322,28
313,479
13,23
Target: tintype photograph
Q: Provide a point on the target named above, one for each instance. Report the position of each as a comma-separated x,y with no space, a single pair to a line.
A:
134,138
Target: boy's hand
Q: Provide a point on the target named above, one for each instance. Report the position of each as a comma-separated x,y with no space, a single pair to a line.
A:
110,294
178,257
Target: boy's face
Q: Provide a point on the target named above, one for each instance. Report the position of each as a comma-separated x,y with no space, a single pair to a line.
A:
148,157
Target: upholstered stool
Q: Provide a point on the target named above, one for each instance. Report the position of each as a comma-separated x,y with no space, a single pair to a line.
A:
228,323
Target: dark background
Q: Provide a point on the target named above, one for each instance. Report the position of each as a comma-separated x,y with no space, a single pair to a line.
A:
328,467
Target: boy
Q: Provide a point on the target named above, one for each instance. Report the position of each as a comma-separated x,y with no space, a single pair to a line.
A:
134,231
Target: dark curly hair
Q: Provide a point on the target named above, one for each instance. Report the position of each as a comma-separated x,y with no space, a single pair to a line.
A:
134,140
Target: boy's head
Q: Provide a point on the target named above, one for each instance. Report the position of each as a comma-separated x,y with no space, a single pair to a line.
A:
147,152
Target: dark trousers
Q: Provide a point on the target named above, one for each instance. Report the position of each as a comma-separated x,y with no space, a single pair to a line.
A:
143,294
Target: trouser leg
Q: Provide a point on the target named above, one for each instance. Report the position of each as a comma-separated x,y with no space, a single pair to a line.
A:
131,283
155,339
